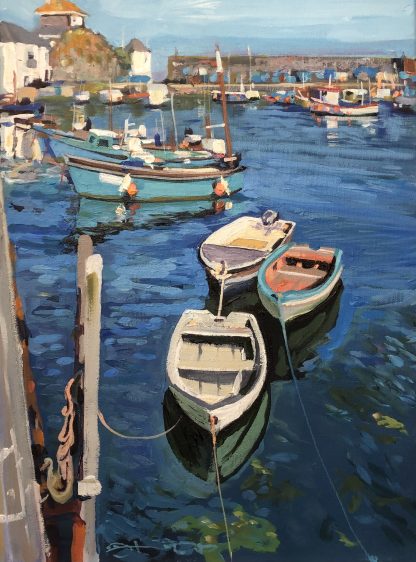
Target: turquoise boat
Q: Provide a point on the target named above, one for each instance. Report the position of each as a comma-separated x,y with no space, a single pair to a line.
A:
105,145
295,279
112,181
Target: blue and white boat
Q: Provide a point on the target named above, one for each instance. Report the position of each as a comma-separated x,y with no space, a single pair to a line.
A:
98,143
113,181
109,146
295,279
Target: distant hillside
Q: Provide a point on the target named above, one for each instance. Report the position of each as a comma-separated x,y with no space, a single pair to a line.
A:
81,54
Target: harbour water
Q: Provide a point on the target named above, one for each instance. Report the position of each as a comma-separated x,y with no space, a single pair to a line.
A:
348,184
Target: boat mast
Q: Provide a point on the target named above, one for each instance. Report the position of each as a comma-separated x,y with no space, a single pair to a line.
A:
228,144
174,120
249,65
110,108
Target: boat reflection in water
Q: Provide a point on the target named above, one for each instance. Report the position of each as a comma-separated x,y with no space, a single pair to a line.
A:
304,333
101,219
192,445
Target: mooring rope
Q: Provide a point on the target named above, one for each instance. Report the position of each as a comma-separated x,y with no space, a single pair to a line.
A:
217,472
370,557
137,437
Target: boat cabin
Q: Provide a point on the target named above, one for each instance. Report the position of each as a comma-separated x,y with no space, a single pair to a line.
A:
327,95
103,139
354,95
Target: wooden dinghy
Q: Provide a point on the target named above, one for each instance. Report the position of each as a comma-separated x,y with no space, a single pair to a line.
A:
295,279
239,248
216,366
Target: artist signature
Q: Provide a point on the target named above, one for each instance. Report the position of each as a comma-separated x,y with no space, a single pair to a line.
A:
164,544
135,547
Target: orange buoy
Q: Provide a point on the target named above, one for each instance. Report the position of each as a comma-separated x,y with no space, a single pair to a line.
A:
132,189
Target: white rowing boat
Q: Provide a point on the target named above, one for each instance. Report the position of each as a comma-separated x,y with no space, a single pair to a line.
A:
216,366
240,247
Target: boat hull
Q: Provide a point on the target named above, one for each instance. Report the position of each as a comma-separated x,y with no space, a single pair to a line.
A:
239,281
105,185
226,414
288,306
241,274
59,147
321,108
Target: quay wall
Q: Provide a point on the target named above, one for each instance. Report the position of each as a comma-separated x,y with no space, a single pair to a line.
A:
184,67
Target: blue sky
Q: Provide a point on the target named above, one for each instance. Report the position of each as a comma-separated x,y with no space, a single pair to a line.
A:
330,26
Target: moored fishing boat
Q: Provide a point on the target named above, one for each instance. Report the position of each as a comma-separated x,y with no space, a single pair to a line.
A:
216,366
108,145
406,104
236,97
295,279
82,97
111,96
240,247
281,97
329,103
107,180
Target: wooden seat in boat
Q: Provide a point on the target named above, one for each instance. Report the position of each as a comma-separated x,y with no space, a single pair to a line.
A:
292,278
249,243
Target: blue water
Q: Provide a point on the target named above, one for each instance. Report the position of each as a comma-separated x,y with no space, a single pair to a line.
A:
348,184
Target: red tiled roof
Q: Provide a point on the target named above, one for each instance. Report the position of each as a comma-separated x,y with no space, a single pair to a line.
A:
60,6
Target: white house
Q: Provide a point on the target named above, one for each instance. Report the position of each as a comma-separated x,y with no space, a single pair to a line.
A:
140,60
24,57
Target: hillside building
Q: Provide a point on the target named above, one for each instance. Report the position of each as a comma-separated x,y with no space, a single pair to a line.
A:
58,16
141,61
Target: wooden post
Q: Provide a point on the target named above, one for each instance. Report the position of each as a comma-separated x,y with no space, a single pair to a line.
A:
228,144
85,248
90,486
208,132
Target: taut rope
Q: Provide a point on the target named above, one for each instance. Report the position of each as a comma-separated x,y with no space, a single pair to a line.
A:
212,422
370,557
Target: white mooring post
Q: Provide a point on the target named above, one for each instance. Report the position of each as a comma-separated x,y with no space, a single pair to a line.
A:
90,485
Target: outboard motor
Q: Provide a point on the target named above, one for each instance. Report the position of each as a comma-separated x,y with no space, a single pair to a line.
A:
269,217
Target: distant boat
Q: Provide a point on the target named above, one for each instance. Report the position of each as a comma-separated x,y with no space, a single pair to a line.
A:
329,103
216,366
158,95
405,104
136,96
113,181
111,96
18,108
82,97
295,279
241,246
236,97
281,97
